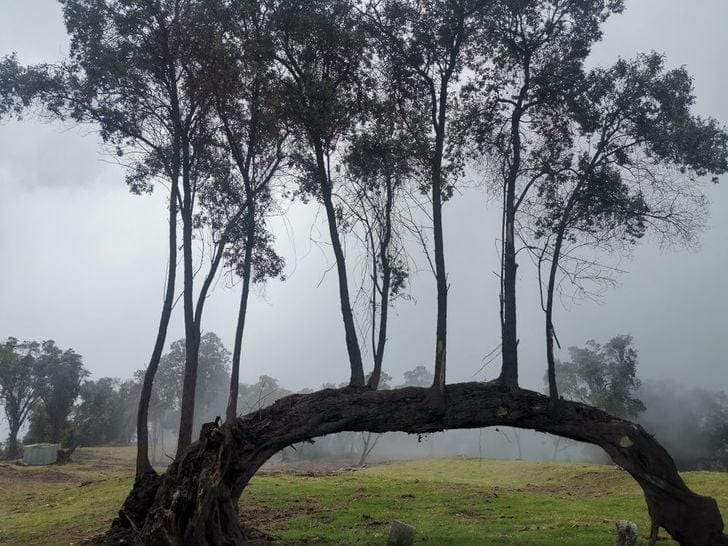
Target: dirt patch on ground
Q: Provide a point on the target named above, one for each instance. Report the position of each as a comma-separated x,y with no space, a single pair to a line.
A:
10,474
102,459
308,468
258,516
583,484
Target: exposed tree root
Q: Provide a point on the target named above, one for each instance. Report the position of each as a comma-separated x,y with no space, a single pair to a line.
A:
195,502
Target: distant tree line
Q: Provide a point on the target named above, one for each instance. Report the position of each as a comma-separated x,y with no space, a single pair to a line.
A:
39,382
49,390
692,423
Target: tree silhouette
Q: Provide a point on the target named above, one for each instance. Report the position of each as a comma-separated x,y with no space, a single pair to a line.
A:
214,96
528,62
604,376
20,384
629,160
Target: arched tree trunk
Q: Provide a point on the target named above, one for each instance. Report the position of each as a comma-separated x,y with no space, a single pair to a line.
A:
195,502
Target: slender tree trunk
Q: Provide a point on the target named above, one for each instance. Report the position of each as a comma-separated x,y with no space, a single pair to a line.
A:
13,447
193,325
192,330
384,257
517,438
195,502
194,349
352,342
376,376
441,280
369,442
480,444
143,465
365,438
57,424
161,437
550,357
509,370
509,337
244,166
232,405
155,441
550,334
437,234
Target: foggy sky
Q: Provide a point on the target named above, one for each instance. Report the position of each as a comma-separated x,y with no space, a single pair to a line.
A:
83,261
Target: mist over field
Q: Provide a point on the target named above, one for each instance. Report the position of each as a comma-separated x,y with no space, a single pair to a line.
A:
330,271
88,257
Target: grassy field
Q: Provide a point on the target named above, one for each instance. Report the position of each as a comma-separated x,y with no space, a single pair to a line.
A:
450,501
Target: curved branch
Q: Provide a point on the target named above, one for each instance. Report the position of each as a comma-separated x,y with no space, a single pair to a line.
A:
197,499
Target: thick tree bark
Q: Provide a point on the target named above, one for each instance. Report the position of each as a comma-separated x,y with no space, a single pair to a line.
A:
143,465
195,502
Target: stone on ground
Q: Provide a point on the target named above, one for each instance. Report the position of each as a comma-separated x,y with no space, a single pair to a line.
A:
401,534
626,533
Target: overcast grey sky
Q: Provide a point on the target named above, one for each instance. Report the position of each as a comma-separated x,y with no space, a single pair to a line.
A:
83,261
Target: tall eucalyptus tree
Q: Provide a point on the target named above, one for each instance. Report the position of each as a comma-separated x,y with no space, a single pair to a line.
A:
426,47
323,52
125,74
380,164
248,99
632,156
528,63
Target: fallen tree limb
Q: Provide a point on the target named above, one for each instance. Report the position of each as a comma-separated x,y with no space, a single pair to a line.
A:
195,502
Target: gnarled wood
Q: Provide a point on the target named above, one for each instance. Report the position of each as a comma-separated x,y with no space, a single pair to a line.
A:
196,500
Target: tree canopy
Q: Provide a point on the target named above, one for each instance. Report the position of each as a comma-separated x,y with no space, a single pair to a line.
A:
604,376
368,110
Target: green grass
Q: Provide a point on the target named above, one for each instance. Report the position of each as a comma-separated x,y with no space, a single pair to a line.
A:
459,501
49,505
450,501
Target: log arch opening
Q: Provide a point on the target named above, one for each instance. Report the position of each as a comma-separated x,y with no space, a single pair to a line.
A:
195,501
